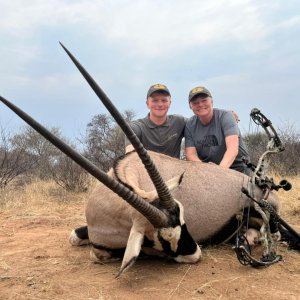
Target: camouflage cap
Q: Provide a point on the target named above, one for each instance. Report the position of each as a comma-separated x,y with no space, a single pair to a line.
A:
158,88
198,91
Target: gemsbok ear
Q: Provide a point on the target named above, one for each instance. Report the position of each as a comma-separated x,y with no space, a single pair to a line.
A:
132,181
134,245
171,184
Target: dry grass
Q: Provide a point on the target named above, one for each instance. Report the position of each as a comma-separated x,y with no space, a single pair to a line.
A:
290,201
37,197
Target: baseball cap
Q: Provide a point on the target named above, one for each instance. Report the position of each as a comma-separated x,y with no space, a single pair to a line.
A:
197,91
158,88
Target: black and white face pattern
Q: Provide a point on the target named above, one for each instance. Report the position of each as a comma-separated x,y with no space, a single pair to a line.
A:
176,241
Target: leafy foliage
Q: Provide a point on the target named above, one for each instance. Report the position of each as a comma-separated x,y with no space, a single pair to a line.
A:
14,161
104,140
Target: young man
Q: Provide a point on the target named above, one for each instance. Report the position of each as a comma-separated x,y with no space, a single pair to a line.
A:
212,134
159,131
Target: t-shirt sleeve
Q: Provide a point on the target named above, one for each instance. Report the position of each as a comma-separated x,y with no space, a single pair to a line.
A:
188,139
229,124
136,129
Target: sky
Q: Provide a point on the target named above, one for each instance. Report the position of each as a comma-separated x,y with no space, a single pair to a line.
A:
247,53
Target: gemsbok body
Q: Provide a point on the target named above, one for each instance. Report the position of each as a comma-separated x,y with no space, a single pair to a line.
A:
209,198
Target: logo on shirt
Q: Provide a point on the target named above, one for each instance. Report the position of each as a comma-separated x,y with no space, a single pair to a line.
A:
208,141
171,136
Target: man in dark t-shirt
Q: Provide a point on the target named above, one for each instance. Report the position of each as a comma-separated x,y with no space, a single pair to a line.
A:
159,131
212,134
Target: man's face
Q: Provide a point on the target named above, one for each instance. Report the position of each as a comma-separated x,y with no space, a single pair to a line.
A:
158,104
202,106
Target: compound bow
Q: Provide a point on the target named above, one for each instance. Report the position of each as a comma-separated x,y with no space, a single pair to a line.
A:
263,207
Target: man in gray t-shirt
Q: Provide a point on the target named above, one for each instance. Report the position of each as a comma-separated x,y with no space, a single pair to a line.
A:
158,131
212,134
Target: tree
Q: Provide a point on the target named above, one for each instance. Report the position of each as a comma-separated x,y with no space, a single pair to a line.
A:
104,140
69,175
14,161
283,163
51,163
38,147
287,162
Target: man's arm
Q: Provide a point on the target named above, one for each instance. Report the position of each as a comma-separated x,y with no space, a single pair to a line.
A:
191,154
232,149
190,149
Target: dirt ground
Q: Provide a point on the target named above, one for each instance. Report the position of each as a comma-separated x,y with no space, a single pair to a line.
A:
37,262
